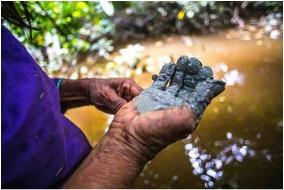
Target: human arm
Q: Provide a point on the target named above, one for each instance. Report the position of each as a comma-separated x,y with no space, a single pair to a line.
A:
156,118
122,153
107,95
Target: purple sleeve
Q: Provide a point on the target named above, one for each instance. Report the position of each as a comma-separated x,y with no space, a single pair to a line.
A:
40,146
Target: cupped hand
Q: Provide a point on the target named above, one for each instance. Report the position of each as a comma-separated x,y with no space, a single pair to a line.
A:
146,134
169,110
165,112
131,141
111,94
186,82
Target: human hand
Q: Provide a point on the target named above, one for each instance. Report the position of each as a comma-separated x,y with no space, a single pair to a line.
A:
169,110
186,82
111,94
159,116
131,141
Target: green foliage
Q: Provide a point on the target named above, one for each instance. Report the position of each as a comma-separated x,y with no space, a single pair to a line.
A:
67,30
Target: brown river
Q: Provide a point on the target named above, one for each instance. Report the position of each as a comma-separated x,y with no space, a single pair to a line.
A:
238,143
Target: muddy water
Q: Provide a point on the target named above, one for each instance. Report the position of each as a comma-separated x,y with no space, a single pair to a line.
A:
238,143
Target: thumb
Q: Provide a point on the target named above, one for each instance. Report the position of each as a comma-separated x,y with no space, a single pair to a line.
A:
130,90
135,90
115,101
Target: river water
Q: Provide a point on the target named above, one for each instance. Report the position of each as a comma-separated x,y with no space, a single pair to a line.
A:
238,143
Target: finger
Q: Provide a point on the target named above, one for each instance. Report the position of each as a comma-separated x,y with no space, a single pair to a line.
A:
193,67
130,90
189,82
164,77
205,73
216,88
114,102
207,90
195,73
177,80
135,90
184,93
203,94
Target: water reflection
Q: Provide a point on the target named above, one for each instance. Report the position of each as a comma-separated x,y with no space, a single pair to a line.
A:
209,167
149,176
251,112
129,55
221,67
269,26
232,77
187,41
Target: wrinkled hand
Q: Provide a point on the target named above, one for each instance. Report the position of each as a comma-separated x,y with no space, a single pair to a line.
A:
111,94
187,82
169,110
148,133
162,114
131,141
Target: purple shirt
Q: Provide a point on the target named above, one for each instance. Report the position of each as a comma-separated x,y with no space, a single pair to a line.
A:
40,146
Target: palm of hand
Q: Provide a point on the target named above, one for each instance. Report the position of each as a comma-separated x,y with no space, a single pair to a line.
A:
187,82
160,115
150,132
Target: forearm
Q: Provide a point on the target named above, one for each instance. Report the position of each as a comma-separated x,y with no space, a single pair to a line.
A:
112,164
74,93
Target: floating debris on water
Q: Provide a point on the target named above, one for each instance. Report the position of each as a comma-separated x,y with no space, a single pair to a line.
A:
146,181
210,168
174,178
234,77
229,135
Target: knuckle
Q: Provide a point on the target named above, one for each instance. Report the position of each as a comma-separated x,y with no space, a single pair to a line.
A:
129,80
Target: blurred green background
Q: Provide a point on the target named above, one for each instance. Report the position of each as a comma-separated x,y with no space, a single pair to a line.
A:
70,30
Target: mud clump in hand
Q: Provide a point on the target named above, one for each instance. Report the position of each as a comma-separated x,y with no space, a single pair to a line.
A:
186,82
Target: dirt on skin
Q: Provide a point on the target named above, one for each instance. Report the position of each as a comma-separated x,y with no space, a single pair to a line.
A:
238,143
